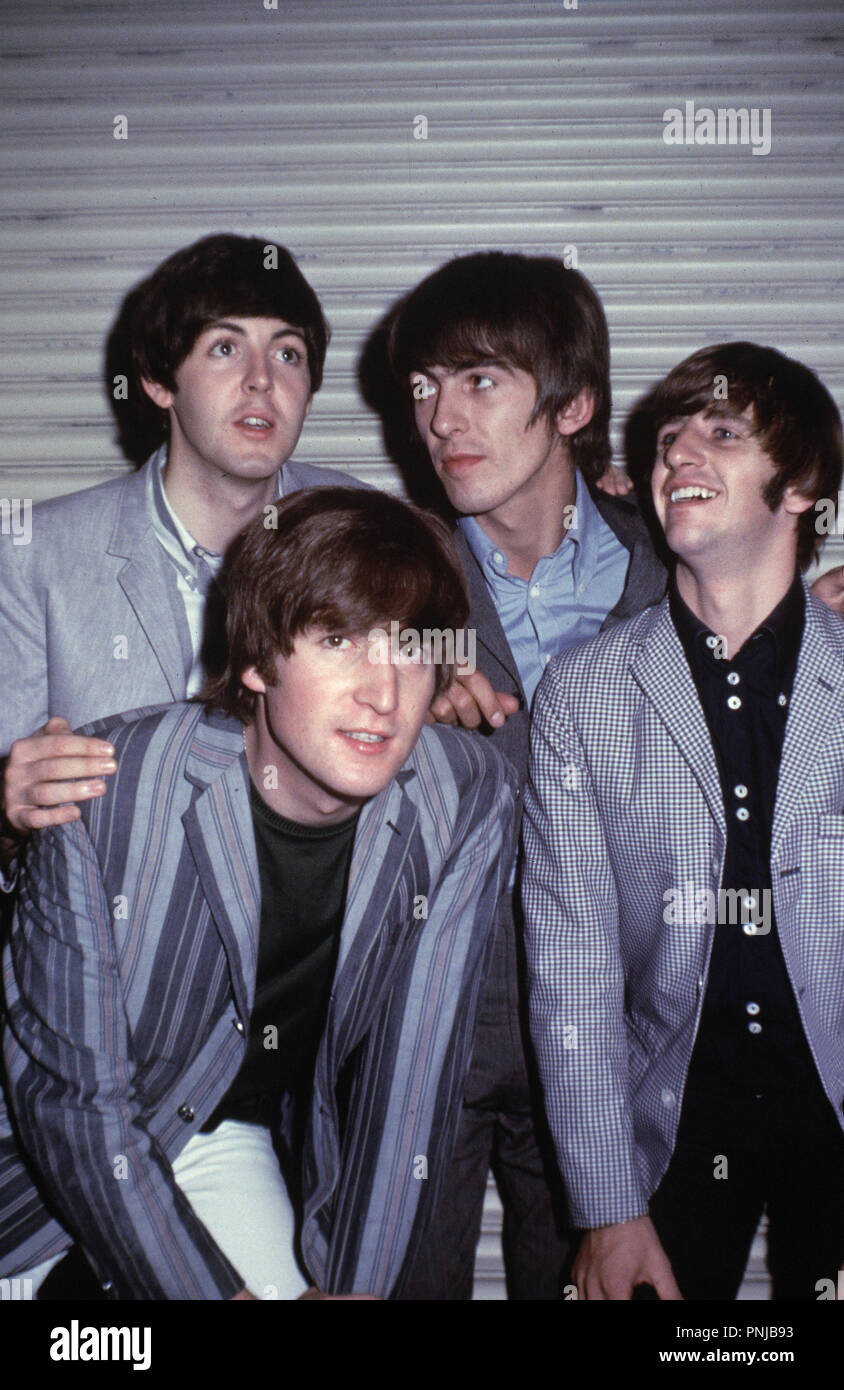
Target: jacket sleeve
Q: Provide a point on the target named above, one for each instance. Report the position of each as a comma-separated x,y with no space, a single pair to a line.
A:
409,1077
23,645
71,1082
575,973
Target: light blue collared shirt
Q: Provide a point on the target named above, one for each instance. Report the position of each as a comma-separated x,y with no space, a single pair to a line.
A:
566,598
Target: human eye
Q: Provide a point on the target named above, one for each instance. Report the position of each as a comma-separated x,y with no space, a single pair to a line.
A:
290,354
223,347
336,642
481,381
422,388
666,438
410,648
725,432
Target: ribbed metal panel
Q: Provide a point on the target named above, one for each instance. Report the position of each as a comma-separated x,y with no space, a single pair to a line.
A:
544,129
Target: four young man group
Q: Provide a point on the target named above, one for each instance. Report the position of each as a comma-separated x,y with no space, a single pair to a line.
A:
273,949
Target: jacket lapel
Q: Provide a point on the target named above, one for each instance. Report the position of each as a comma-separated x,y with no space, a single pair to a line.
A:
218,828
817,704
661,670
484,613
646,577
377,911
146,579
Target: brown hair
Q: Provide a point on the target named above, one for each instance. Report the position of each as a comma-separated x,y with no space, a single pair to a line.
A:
343,559
796,421
529,311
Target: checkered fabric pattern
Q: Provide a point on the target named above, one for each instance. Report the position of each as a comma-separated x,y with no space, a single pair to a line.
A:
623,810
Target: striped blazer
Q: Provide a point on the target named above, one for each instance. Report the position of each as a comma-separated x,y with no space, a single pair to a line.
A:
130,975
623,810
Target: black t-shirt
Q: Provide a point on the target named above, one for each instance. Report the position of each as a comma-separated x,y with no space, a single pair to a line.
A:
303,871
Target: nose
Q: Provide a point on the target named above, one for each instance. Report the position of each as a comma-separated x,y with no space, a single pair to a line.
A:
449,414
685,446
378,683
256,372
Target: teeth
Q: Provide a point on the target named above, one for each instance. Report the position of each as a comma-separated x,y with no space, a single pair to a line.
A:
684,494
366,738
256,420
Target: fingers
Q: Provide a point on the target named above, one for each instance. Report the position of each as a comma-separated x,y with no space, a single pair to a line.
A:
486,702
29,818
50,769
666,1285
443,710
470,699
615,482
56,724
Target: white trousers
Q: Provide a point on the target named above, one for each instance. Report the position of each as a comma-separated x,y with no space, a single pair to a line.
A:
233,1182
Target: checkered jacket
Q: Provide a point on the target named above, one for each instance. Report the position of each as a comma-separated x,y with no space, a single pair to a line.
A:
623,804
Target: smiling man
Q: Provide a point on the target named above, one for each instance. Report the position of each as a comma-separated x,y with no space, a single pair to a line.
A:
104,609
267,935
687,768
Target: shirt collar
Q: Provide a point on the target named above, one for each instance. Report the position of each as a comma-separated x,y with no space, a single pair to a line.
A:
171,532
583,532
783,627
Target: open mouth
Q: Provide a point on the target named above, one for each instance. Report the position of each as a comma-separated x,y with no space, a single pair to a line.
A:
366,742
691,494
255,422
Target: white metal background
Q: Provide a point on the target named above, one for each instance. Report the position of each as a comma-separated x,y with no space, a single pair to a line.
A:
544,129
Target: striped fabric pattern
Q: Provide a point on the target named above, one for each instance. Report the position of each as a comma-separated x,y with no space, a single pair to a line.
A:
132,958
624,804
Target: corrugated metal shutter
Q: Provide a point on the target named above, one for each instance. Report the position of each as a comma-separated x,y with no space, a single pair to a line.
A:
544,129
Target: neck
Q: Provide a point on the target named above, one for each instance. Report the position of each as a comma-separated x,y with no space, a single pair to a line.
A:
215,509
527,527
307,804
733,606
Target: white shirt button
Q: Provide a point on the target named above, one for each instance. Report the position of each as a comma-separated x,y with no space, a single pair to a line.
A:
742,813
733,702
534,591
752,1008
782,700
740,791
754,1027
711,642
498,557
733,678
667,1097
749,928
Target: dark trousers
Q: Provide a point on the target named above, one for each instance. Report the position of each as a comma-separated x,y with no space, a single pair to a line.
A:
501,1125
784,1152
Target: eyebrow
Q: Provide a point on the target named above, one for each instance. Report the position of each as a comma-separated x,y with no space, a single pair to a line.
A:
287,332
476,364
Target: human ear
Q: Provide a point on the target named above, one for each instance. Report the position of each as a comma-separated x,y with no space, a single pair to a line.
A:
577,413
157,393
253,680
796,502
